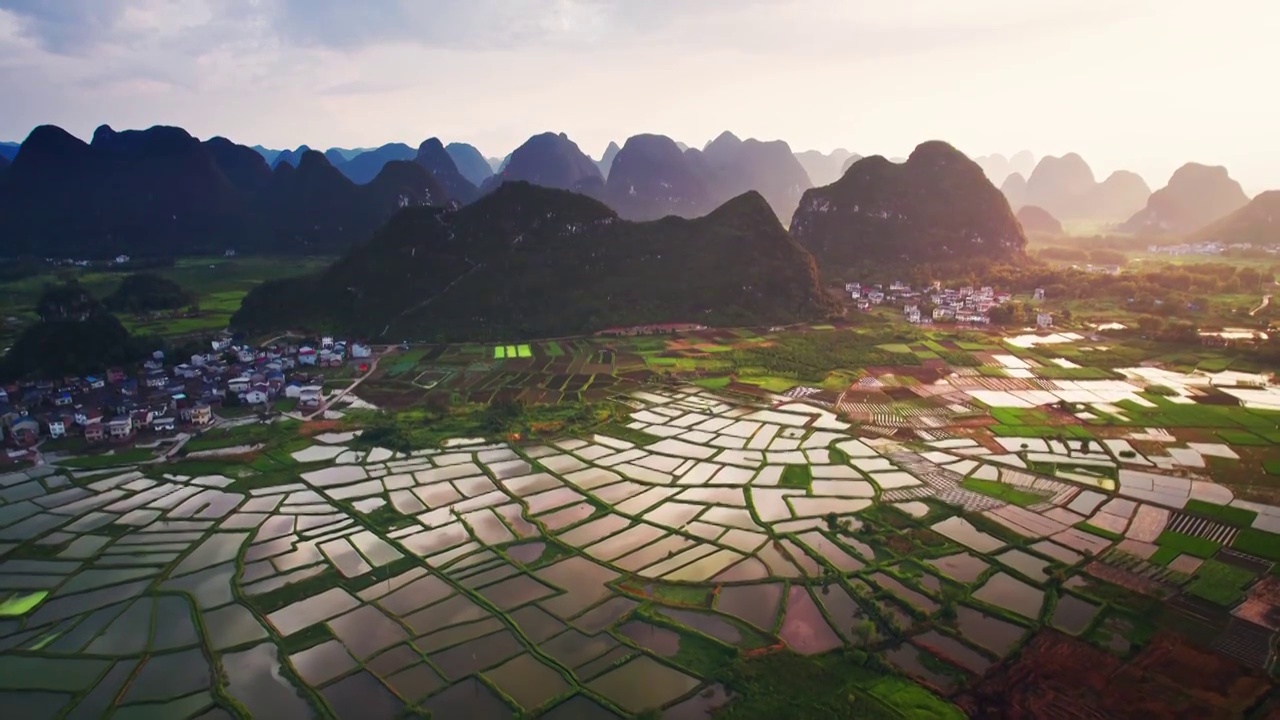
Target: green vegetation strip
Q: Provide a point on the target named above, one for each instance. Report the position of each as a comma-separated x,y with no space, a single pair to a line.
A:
1003,491
1189,544
1258,543
832,685
121,457
19,605
1238,517
1095,530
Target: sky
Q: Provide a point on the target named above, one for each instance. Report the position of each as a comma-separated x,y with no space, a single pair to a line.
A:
1143,85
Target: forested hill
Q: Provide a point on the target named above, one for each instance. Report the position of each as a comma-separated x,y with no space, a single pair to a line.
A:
938,207
529,261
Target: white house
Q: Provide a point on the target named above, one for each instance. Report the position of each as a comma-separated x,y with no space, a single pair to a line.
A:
360,350
1044,320
238,385
57,427
944,313
122,259
1038,294
255,397
307,356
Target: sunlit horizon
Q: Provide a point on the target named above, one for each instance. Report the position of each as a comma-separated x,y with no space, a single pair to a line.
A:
1137,85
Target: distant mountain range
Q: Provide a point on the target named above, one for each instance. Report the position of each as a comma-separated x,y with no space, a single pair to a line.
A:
937,207
824,169
530,261
1066,188
997,167
652,176
1258,223
162,192
1196,196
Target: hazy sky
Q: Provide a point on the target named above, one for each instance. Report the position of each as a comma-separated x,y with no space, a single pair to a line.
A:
1138,84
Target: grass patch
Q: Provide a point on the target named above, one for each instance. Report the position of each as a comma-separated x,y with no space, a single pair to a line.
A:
1258,543
831,685
799,477
622,432
1003,491
19,605
250,434
715,383
1242,437
1189,544
1073,432
1220,583
1163,556
1095,530
1271,466
702,655
130,456
770,382
680,594
1238,517
900,348
553,349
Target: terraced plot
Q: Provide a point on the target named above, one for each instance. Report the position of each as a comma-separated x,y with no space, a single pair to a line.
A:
582,575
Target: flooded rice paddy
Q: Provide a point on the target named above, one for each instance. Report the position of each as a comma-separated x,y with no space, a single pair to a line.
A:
495,581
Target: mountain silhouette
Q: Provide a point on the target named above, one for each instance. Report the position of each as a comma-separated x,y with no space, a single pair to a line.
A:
550,160
541,262
606,160
162,192
433,156
769,168
1257,223
469,162
365,167
1196,196
1014,189
1038,220
650,178
937,207
1065,187
825,169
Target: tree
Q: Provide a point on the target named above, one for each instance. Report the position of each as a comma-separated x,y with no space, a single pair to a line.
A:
866,631
833,522
65,301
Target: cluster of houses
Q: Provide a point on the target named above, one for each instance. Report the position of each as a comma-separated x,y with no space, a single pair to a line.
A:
162,396
1204,248
965,305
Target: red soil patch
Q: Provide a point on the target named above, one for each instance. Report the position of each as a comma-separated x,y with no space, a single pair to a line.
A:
1057,676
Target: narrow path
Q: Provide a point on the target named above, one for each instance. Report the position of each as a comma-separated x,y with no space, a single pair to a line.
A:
1266,300
424,303
373,366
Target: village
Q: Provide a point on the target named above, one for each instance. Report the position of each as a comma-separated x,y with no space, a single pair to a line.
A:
965,305
168,395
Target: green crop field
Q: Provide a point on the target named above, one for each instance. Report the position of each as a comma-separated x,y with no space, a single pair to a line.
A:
1220,583
1002,491
1191,545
